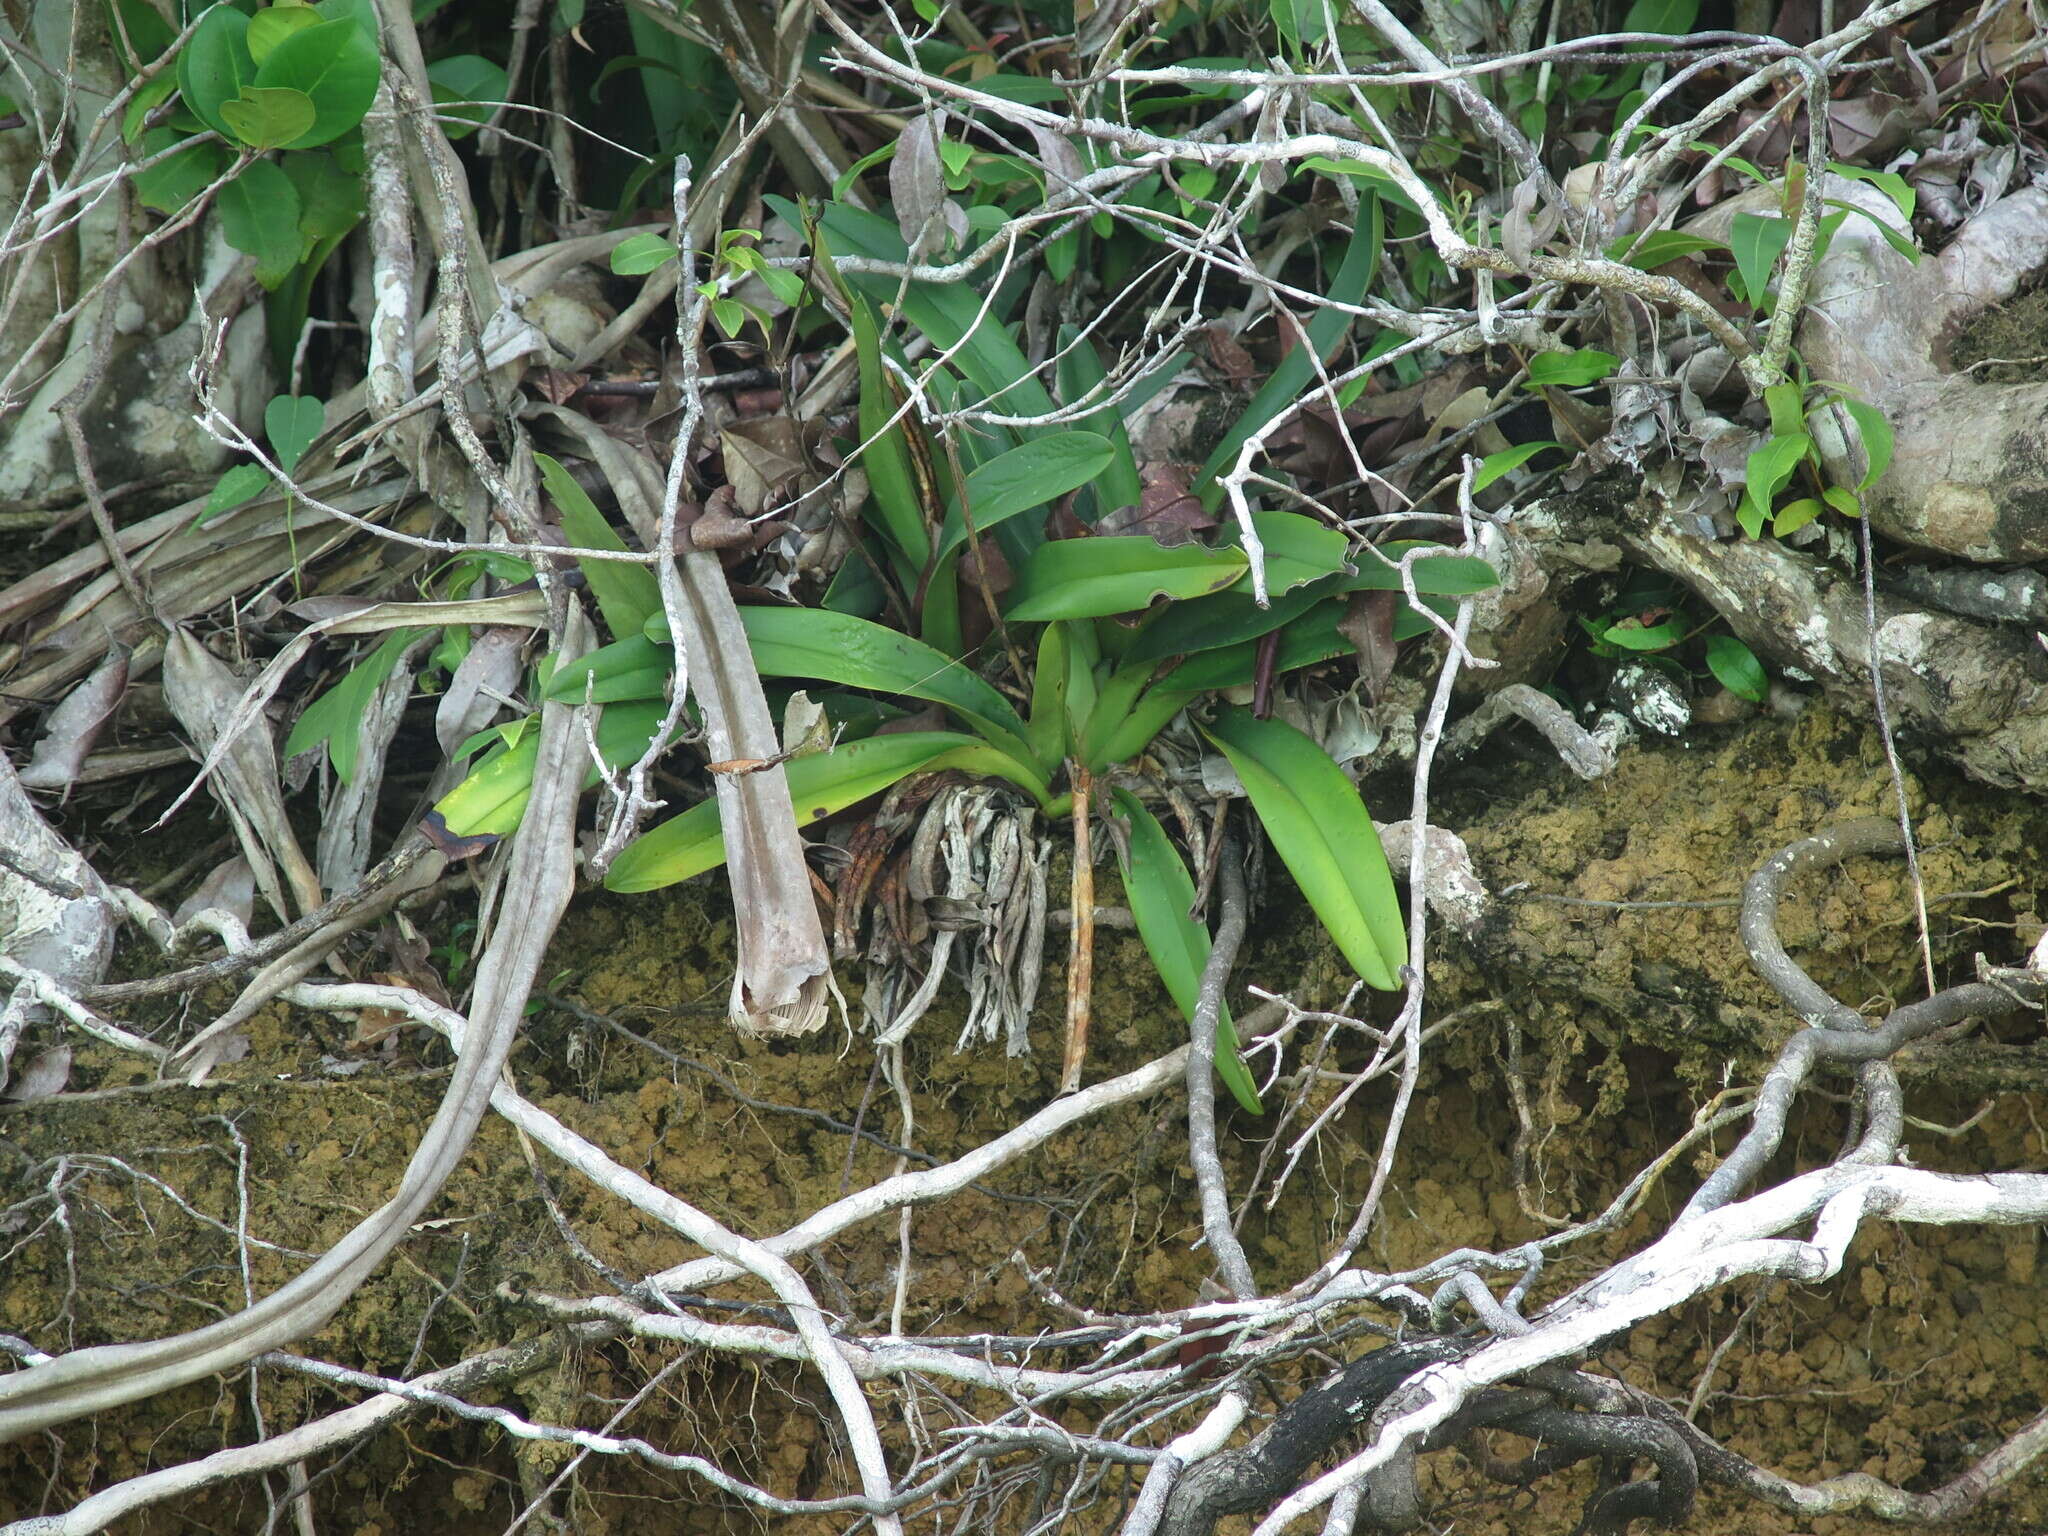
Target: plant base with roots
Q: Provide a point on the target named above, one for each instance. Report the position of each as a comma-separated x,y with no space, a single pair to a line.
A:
1583,1034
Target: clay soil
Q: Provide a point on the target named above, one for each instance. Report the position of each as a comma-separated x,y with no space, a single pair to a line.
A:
1611,1024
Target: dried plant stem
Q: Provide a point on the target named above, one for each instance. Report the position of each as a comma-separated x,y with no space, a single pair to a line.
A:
1080,936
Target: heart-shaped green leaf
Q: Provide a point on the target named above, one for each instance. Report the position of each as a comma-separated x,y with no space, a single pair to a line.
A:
291,422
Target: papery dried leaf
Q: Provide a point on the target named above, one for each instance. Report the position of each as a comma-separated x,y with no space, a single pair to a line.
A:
206,696
44,1077
479,685
343,850
1062,161
917,182
230,887
1231,359
1368,623
784,972
1523,231
63,927
762,459
75,724
1167,509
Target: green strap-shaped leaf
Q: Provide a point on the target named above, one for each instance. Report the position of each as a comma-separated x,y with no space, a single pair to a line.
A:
1047,731
1028,476
952,315
1157,886
820,784
1093,578
885,456
1112,711
1080,370
813,642
1304,640
633,668
627,595
1231,617
1319,826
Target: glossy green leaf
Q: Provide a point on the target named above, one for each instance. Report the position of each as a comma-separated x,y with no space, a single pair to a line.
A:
242,483
642,252
1769,468
337,715
627,595
1145,720
1298,549
1634,635
335,65
268,118
885,454
633,668
1876,433
1310,638
1157,886
1736,668
1319,827
1659,247
492,800
175,180
1286,384
1795,515
1047,730
1494,465
819,784
1569,370
1112,710
1028,476
1787,410
330,198
838,648
292,422
467,89
215,64
1093,578
1757,241
1228,618
954,315
1080,371
259,216
273,24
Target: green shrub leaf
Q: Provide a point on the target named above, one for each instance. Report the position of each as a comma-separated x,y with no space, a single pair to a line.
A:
335,65
1736,668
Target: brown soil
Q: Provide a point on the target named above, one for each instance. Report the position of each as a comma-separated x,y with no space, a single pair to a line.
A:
1926,1351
